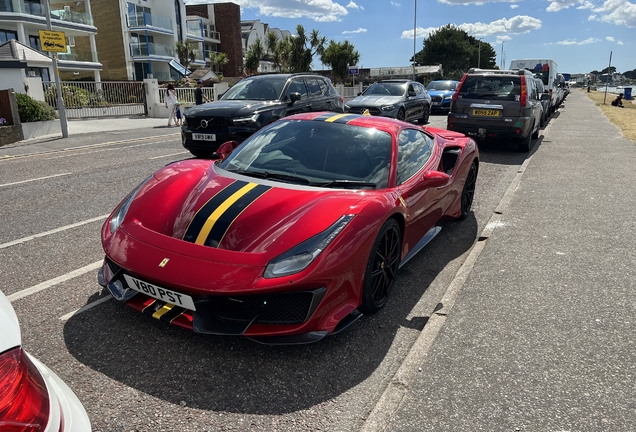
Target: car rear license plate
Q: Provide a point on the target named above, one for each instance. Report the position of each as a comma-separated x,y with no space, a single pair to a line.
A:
486,113
203,137
183,300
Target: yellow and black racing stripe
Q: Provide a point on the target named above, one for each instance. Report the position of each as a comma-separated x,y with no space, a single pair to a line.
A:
337,118
163,311
209,225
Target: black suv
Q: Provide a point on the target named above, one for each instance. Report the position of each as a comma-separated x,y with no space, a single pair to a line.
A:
252,103
493,103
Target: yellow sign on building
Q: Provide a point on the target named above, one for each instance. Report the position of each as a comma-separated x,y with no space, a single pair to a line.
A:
52,41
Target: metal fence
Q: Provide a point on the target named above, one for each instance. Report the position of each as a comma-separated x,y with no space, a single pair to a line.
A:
186,94
98,99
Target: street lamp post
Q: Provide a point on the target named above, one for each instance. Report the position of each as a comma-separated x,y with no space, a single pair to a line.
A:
479,55
56,74
414,37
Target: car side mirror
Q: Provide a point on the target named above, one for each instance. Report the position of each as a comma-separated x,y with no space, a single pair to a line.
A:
295,97
435,179
359,93
412,93
226,149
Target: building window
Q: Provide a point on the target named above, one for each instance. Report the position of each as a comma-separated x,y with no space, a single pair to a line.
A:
138,16
39,72
33,7
6,6
177,14
6,35
34,42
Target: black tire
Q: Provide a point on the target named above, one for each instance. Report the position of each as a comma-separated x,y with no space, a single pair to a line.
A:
468,192
524,144
535,135
400,114
382,268
427,114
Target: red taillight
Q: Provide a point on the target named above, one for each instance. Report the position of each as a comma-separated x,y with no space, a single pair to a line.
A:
459,86
24,401
524,92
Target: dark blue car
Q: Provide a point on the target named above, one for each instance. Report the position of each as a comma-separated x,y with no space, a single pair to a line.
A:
441,92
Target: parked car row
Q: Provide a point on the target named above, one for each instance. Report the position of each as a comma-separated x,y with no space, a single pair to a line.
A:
502,104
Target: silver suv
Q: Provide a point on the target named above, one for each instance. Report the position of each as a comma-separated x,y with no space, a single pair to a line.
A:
497,104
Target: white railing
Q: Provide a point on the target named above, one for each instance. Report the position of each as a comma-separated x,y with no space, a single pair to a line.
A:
185,95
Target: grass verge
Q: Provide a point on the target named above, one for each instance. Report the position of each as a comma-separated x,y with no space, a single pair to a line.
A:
624,118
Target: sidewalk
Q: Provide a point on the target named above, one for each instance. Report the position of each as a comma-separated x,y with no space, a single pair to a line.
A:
542,335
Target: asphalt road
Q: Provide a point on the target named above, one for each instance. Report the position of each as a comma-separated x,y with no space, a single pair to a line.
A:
133,373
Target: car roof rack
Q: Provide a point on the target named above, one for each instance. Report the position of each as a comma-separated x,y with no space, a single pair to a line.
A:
498,71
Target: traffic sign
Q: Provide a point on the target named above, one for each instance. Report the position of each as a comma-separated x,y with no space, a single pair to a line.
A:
353,70
52,41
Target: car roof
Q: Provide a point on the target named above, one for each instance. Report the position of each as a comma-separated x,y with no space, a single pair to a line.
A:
401,81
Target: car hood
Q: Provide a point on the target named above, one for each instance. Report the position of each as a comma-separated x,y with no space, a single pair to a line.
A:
441,92
10,334
197,203
230,108
374,100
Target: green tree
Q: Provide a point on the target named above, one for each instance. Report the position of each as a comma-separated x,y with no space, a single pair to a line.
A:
340,55
610,69
303,49
218,59
456,51
253,58
186,53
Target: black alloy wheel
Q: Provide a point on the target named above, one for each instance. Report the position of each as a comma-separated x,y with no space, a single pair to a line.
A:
400,114
468,192
382,268
427,114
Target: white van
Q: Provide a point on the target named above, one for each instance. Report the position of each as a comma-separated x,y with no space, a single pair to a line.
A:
548,72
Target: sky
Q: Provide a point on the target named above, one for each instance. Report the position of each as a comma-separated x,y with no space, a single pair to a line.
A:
580,35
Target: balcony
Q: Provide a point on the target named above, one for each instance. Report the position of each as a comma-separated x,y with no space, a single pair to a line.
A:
194,29
143,49
78,56
72,12
147,21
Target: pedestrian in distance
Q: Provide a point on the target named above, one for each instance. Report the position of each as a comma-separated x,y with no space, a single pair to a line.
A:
618,101
177,108
198,94
171,103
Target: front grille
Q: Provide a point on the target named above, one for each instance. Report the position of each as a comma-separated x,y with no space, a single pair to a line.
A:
436,99
373,111
288,308
214,124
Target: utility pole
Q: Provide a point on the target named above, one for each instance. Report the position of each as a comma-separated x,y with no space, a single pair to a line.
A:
414,37
56,74
502,60
479,55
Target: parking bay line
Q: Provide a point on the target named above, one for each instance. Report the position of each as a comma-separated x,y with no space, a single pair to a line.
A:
53,231
86,307
168,155
52,282
35,179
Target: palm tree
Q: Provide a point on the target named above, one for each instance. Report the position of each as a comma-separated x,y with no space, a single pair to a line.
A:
186,53
218,59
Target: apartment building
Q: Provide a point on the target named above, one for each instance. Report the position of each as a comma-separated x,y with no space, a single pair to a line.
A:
255,29
137,38
22,19
217,28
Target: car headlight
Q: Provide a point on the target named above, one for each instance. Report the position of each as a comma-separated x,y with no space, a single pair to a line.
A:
449,97
120,213
245,120
388,108
299,257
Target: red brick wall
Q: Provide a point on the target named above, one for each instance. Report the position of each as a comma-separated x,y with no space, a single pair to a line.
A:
227,17
198,10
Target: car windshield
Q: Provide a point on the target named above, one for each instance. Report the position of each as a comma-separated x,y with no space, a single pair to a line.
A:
268,88
316,153
440,85
491,87
386,89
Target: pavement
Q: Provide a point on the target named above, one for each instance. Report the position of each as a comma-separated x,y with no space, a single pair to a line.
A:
536,333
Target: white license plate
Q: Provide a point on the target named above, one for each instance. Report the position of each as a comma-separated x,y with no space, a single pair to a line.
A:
185,301
436,103
203,137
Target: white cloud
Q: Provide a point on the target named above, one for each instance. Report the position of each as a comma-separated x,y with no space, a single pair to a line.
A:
609,39
317,10
516,25
618,12
575,42
421,33
396,4
557,5
360,30
476,2
620,43
353,5
514,6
